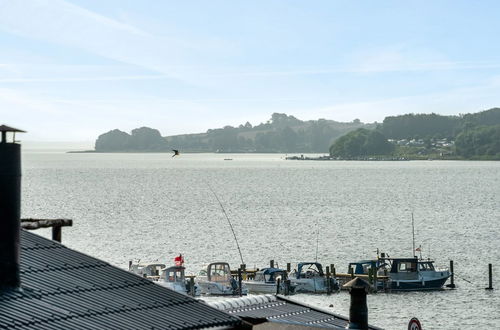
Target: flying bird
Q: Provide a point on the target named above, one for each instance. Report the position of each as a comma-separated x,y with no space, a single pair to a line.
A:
176,152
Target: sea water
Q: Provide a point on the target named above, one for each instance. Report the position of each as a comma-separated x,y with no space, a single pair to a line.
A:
153,206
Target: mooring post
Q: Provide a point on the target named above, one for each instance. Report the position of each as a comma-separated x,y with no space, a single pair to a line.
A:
244,271
271,263
490,277
375,279
288,267
334,272
452,277
56,233
358,311
240,290
10,210
351,271
192,289
328,281
278,282
370,275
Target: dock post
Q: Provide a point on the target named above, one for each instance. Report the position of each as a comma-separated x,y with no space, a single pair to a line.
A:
452,277
370,275
490,277
328,281
240,291
278,282
192,289
56,233
358,311
334,272
244,271
288,267
375,279
271,263
351,271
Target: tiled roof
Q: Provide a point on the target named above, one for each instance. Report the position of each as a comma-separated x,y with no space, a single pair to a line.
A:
66,289
282,310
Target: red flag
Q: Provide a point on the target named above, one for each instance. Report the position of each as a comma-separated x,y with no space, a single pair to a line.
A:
179,260
418,249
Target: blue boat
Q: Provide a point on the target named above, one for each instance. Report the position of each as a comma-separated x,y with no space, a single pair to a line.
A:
405,274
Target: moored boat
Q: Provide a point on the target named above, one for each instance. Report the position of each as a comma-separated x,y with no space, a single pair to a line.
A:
309,277
405,274
267,280
217,280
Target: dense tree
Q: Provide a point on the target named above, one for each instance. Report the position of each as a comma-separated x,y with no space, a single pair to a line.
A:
146,138
479,141
361,143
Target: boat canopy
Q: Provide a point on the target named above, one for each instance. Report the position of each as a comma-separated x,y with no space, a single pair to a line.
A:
304,267
219,272
404,265
173,274
269,274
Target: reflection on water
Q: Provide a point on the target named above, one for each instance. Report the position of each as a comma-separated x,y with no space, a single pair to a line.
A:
153,207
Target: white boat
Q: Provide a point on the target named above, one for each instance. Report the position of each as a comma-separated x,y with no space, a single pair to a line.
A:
174,278
147,270
217,280
309,277
266,281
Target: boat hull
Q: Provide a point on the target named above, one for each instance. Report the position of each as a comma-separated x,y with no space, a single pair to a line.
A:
418,285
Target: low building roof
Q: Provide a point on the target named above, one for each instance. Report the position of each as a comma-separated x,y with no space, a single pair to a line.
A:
66,289
278,309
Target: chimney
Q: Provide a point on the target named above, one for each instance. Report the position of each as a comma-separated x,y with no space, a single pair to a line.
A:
358,311
10,209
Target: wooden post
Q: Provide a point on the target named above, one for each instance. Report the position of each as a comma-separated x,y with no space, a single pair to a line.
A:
375,279
240,290
191,287
288,267
490,277
278,282
244,271
334,272
328,282
271,263
370,275
351,271
56,233
452,277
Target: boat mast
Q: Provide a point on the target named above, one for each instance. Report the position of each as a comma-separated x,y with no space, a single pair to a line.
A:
228,221
413,234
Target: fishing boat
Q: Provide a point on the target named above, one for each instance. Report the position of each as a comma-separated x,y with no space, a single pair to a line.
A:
267,280
405,274
217,280
309,277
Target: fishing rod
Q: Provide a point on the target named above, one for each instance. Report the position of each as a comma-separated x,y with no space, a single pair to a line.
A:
228,221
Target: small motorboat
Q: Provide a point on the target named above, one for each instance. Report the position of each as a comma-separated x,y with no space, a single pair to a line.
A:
266,281
217,280
309,277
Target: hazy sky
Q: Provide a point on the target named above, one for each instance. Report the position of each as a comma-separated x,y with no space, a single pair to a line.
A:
70,70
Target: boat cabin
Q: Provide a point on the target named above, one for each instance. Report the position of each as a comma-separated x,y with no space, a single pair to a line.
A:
309,269
173,274
219,272
269,275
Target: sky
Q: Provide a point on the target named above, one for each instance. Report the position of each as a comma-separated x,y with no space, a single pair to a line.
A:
72,70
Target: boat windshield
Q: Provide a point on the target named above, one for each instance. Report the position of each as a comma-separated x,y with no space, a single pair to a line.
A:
219,273
426,266
407,266
173,275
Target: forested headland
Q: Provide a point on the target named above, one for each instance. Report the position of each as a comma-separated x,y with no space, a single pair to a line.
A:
280,134
409,136
423,136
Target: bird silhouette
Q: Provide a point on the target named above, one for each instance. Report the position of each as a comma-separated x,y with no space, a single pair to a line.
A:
176,152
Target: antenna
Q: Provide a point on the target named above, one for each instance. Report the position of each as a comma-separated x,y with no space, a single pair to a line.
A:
228,221
317,240
413,233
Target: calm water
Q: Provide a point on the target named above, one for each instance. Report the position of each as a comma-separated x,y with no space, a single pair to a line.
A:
152,207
